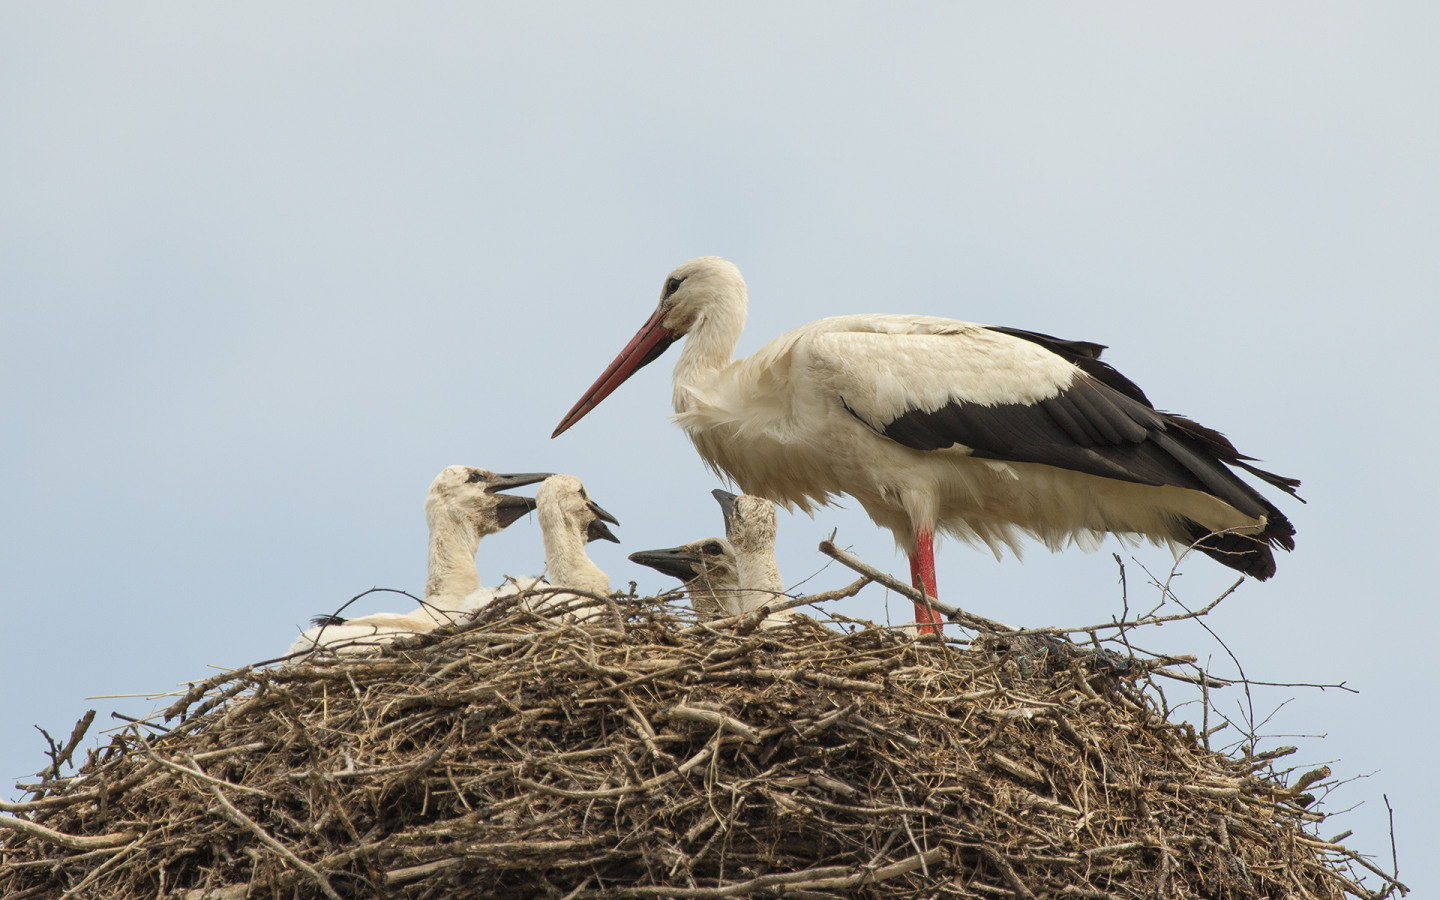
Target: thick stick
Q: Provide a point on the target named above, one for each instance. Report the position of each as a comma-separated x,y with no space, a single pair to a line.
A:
72,841
954,613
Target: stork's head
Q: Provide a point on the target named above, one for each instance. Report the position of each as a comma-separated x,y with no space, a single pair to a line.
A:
470,498
692,291
705,289
708,563
566,507
749,521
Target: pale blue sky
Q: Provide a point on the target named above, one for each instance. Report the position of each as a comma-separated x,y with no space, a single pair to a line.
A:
265,270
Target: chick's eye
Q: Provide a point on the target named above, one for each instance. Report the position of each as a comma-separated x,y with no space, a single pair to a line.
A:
474,477
712,549
672,286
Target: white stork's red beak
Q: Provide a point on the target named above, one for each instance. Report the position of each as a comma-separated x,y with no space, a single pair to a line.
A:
645,347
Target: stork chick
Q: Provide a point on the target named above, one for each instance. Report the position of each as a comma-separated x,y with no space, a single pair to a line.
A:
569,520
336,636
707,567
464,505
750,527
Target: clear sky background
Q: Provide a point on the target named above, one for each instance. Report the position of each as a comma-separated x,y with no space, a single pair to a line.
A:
266,269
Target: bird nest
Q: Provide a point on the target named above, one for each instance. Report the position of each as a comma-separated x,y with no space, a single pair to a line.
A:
638,754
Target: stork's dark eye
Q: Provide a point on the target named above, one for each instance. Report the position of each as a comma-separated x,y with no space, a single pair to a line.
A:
672,286
712,548
474,477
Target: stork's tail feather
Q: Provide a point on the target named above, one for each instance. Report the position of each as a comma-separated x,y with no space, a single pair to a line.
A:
328,620
1288,485
1251,554
1220,446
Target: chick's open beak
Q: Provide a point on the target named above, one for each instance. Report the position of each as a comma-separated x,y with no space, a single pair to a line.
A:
512,508
599,531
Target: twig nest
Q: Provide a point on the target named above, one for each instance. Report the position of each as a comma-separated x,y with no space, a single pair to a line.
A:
528,757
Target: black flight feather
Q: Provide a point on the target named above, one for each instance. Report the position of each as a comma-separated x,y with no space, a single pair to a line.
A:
1083,354
1104,425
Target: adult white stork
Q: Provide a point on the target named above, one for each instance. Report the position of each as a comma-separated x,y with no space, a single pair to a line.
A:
980,432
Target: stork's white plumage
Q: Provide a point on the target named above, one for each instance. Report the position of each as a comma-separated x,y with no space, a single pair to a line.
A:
463,505
707,567
932,424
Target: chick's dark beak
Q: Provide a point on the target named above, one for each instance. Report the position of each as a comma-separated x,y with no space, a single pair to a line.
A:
505,482
595,508
727,506
599,531
677,562
512,508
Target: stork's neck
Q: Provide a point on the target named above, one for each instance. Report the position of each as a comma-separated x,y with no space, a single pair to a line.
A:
566,564
760,581
710,343
706,597
451,568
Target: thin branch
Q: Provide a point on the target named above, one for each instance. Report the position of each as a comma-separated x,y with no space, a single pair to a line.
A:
758,615
849,590
1394,857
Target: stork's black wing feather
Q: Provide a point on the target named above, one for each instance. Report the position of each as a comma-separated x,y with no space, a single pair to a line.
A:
1101,427
1225,451
1083,354
1086,356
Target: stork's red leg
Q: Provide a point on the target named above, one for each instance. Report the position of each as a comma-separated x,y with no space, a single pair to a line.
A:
922,577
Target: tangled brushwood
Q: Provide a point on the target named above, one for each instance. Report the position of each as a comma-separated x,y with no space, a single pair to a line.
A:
634,753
